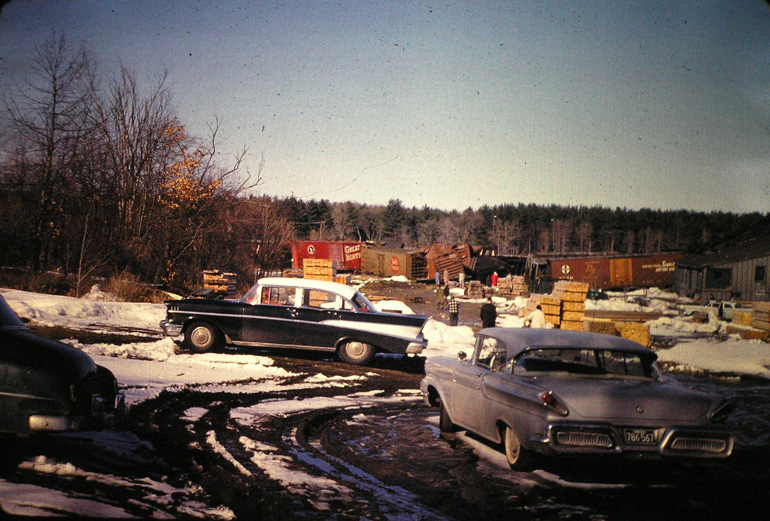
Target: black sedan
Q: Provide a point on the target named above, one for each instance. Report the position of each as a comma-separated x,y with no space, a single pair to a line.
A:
298,314
49,386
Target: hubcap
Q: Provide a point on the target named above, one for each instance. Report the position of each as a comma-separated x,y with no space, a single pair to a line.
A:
201,336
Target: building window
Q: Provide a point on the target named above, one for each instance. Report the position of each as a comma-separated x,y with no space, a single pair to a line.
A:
759,273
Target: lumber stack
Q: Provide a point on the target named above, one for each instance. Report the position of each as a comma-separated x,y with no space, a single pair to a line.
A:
573,303
318,269
760,316
474,290
220,282
742,318
552,309
514,286
634,331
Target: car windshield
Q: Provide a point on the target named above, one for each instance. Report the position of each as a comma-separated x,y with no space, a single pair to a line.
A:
8,319
588,362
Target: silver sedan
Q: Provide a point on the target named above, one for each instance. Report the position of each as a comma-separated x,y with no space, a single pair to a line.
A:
557,392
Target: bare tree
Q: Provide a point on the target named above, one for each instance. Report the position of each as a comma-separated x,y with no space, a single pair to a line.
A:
50,118
584,232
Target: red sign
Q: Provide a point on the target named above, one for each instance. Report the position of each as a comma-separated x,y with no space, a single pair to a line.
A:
395,266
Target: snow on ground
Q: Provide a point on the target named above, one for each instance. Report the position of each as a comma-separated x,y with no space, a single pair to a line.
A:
145,369
134,361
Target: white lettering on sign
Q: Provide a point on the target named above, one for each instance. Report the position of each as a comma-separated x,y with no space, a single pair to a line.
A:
352,252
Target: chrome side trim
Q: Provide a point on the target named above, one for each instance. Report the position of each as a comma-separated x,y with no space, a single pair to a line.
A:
283,346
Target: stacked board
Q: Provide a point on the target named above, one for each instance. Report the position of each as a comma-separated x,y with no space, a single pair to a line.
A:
318,269
573,303
221,282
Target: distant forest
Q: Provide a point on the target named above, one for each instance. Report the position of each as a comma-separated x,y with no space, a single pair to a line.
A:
99,177
520,229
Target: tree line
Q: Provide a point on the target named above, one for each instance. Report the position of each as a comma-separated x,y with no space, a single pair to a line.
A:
98,176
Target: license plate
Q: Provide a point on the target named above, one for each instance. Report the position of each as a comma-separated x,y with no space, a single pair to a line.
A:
640,436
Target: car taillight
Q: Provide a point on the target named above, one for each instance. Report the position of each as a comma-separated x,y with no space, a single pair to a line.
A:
552,402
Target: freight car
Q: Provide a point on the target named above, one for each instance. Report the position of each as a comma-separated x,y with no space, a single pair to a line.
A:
609,272
346,256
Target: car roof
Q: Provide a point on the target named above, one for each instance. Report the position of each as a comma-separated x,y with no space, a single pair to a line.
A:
325,285
523,339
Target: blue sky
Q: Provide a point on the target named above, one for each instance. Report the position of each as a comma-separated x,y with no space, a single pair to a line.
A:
455,104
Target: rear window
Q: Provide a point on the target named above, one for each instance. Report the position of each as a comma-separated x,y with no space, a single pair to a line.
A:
590,362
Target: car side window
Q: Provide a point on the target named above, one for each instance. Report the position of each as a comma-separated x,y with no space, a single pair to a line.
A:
491,354
278,296
315,298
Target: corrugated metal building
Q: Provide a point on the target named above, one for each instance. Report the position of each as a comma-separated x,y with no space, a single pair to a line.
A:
739,271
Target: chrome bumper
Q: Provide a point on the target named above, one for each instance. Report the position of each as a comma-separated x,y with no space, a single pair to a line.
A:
417,346
170,329
99,418
580,438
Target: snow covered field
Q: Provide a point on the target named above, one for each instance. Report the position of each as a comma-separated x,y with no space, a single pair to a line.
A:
145,369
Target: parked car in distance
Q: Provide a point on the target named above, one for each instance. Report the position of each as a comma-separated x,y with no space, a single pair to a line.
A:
564,393
47,386
597,294
297,314
721,308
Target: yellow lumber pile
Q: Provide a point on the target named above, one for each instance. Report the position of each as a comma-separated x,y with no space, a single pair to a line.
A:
605,327
573,303
514,286
634,331
760,316
748,333
220,281
318,269
742,318
552,309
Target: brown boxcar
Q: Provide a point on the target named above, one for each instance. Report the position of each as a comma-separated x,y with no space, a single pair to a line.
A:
617,272
391,262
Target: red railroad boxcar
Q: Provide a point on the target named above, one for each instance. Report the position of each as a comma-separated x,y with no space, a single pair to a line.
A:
617,272
345,255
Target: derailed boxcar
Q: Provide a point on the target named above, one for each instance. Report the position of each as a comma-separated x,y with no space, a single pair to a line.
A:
617,272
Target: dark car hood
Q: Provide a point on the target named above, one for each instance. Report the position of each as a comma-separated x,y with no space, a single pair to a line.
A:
636,399
21,347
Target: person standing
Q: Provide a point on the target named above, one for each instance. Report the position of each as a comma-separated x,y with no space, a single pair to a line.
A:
446,277
440,297
494,279
488,314
438,278
536,319
454,311
461,280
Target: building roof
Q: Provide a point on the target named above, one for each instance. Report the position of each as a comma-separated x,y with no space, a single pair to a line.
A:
754,248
